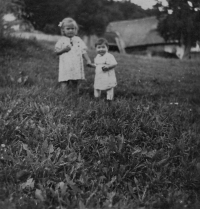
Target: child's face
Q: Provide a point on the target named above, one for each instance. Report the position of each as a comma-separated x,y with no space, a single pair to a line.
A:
101,49
69,30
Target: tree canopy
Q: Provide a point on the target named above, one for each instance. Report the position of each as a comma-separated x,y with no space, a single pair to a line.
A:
91,15
180,20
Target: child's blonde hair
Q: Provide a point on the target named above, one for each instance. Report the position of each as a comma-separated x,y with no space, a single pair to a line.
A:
67,21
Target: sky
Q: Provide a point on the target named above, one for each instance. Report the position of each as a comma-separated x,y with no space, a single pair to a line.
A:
147,4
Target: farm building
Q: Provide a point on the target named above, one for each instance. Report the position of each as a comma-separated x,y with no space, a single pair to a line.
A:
140,36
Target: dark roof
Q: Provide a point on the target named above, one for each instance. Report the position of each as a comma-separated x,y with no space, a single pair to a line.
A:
137,32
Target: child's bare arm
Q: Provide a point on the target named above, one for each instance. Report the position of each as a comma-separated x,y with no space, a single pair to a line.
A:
88,61
91,65
61,51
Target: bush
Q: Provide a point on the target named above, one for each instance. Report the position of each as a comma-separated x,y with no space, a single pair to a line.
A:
51,29
15,74
5,78
2,12
5,7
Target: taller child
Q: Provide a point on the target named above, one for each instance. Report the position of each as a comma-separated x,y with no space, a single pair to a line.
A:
71,50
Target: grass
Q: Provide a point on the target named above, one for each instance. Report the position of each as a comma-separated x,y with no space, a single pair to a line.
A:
62,150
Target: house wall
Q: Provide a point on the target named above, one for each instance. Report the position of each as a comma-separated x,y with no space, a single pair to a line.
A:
158,49
179,51
145,49
196,48
171,48
175,49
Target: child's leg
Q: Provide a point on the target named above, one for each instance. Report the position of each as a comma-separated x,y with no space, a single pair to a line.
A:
97,93
74,83
110,94
64,85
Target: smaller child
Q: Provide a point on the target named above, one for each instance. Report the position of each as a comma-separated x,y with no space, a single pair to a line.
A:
105,63
71,50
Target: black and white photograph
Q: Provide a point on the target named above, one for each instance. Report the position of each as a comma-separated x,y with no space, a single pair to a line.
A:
99,104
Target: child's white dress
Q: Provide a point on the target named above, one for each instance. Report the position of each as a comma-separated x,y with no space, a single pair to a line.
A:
71,63
104,80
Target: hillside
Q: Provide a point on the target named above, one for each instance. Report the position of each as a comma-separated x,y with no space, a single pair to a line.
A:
63,150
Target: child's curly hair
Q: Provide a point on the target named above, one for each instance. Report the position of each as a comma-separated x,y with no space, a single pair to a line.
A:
102,41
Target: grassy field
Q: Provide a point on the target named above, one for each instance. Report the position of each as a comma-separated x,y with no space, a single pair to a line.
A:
63,150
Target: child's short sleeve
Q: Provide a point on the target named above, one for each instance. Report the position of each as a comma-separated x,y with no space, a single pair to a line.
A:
82,46
110,60
58,45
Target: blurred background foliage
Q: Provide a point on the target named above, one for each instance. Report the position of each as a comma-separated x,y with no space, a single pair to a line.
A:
91,15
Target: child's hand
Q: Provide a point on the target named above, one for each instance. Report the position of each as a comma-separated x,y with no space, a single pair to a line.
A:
67,49
89,64
60,51
105,68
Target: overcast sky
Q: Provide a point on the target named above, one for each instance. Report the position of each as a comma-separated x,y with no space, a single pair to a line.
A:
145,4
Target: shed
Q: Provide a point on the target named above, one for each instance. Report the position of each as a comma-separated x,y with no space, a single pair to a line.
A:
141,35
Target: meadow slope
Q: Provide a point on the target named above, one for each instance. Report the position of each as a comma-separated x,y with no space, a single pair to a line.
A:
63,150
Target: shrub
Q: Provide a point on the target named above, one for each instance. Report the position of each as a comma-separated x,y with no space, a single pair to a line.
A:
3,6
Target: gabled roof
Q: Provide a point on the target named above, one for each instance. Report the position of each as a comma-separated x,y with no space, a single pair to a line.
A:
137,32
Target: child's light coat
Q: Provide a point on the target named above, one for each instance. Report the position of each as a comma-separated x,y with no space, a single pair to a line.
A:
71,63
104,80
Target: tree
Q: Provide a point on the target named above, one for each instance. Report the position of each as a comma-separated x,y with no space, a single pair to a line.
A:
46,14
131,11
180,21
92,16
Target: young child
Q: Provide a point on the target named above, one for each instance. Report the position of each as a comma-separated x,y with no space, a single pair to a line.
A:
71,50
105,63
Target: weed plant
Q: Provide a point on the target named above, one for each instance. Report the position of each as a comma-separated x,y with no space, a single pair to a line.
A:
63,150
